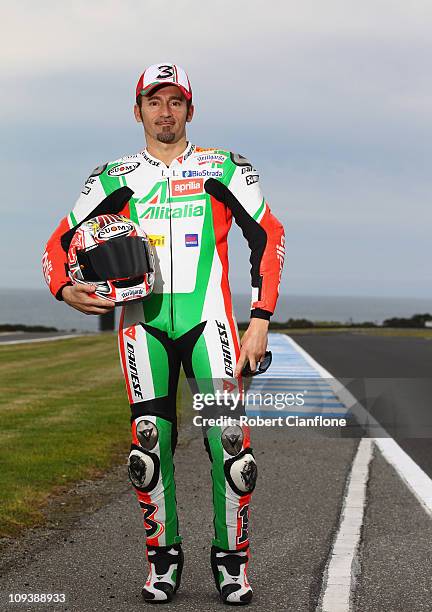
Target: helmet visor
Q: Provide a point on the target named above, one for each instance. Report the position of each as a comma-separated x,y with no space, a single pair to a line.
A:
118,258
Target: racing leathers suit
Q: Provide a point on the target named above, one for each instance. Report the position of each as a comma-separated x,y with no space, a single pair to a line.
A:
186,209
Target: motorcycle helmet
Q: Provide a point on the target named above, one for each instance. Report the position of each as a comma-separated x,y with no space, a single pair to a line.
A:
114,254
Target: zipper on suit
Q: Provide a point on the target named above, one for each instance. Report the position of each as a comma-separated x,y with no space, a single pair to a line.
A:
171,259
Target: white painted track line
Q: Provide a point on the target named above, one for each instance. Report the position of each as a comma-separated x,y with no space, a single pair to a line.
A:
412,474
51,339
338,582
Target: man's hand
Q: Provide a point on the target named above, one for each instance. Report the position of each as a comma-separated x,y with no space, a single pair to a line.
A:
78,297
253,345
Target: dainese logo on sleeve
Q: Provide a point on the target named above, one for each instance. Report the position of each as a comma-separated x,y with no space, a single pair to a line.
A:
191,240
87,186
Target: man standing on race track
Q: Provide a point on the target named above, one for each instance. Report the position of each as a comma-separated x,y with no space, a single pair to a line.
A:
184,197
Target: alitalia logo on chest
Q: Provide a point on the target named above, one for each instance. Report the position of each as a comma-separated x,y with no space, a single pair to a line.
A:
156,211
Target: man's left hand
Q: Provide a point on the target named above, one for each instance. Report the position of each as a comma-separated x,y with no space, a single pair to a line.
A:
253,345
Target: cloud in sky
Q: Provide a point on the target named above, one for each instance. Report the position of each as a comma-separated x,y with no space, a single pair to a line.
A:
332,101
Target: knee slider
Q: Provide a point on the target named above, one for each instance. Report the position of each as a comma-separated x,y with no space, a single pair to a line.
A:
143,469
143,465
232,439
241,472
147,434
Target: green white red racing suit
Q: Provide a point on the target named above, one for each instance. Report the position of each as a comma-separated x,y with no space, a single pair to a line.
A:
187,210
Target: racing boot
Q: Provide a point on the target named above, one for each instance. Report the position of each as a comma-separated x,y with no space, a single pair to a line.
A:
166,565
229,571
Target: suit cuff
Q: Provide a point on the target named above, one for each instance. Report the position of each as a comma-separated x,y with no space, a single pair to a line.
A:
259,313
58,295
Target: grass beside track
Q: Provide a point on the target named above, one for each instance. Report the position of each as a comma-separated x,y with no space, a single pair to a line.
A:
64,417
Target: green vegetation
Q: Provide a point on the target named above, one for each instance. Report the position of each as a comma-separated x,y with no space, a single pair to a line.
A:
64,416
376,331
19,327
417,321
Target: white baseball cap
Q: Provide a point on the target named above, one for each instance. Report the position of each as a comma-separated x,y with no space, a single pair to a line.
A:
164,73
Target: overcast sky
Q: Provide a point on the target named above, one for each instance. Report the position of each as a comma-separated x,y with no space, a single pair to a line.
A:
332,101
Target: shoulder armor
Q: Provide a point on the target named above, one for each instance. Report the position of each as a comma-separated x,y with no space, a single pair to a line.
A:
239,160
98,170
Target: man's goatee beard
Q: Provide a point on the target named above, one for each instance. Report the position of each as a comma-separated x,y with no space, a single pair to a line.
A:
165,137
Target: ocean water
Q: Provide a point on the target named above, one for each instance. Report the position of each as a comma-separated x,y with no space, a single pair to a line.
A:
38,307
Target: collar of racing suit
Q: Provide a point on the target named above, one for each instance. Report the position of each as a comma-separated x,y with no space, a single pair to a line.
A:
190,148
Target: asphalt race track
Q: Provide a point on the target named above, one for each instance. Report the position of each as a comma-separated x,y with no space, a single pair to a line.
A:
308,484
404,364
